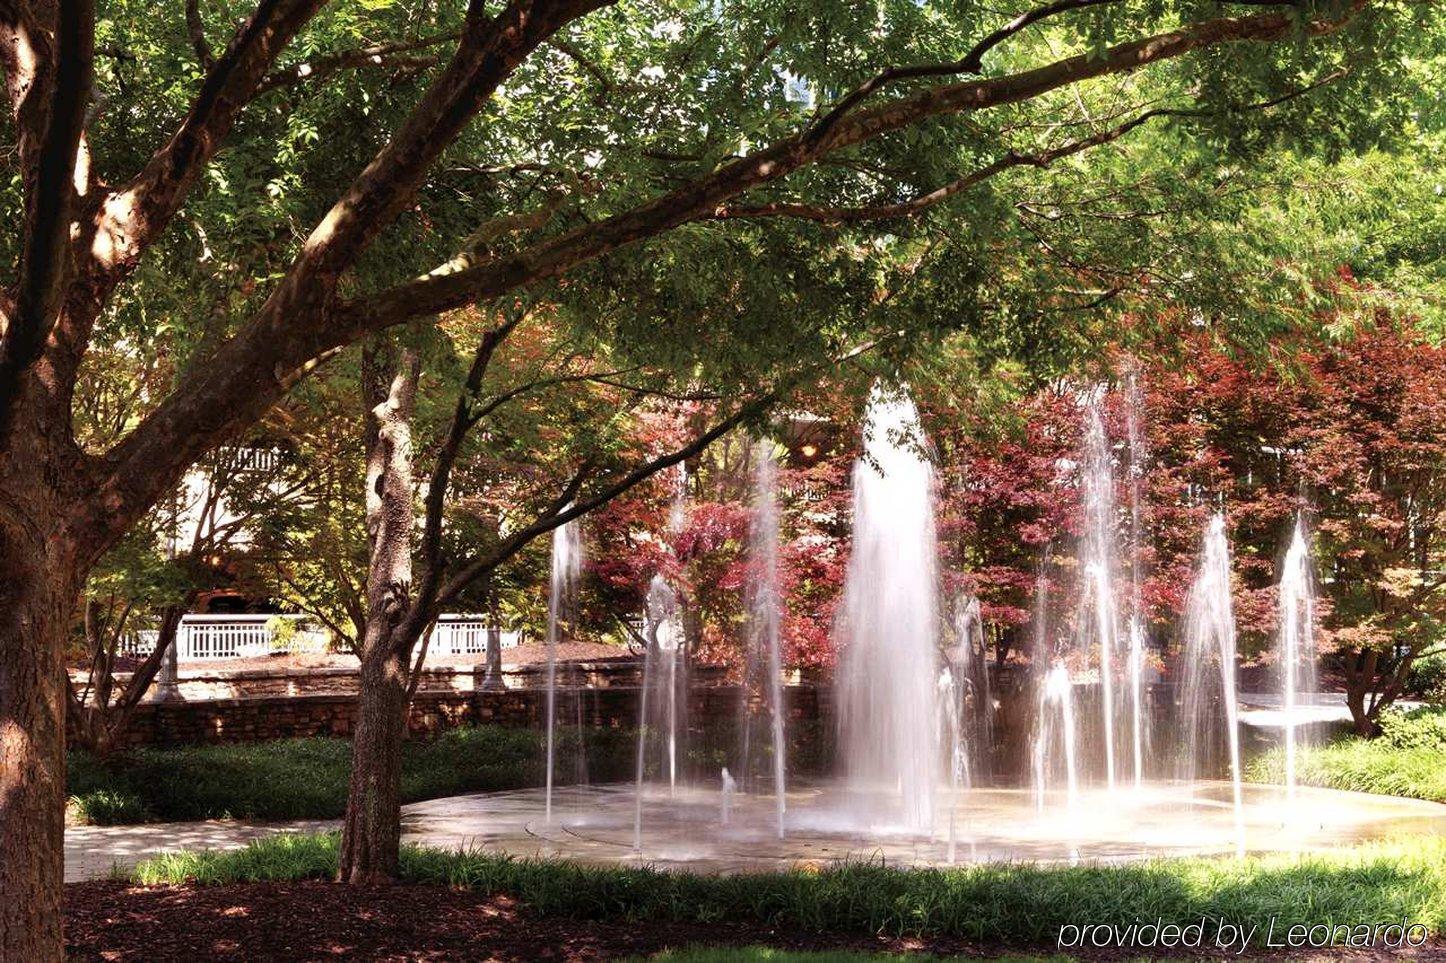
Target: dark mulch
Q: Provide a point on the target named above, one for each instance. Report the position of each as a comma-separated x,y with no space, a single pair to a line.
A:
117,921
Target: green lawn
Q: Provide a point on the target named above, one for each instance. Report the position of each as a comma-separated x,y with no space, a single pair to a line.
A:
1015,904
307,778
1407,759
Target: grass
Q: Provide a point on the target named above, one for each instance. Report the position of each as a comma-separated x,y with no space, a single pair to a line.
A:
1003,903
1407,759
307,778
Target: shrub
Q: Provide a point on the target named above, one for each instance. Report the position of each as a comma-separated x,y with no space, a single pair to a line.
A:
107,807
1423,728
1407,759
307,778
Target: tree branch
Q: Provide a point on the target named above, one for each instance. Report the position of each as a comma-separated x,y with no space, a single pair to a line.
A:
196,28
446,290
572,508
971,63
1040,159
50,194
378,55
130,219
297,315
300,321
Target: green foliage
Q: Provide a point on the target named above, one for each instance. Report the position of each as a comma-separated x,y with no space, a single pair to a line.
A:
1408,759
992,903
1428,677
106,807
1419,729
307,778
284,856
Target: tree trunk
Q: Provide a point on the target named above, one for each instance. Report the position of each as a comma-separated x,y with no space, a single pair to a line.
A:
1360,679
371,832
38,585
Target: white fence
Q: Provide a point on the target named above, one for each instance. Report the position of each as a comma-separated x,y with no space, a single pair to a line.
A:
464,635
205,637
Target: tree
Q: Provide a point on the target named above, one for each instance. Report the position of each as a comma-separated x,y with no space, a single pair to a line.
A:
94,199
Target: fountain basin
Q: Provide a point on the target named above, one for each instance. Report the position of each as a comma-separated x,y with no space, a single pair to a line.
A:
826,824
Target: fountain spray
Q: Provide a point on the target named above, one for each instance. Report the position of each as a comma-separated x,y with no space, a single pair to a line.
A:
566,566
1210,641
765,612
1135,469
887,694
1097,560
1296,640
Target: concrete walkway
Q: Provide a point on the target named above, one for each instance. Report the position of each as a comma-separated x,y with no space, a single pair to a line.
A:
94,852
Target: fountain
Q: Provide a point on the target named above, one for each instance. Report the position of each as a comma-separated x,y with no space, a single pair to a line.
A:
969,666
566,566
1296,641
664,633
1097,561
910,788
1210,649
1056,696
1135,467
888,720
727,791
765,609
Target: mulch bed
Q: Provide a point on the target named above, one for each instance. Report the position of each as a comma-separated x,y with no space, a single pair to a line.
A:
117,921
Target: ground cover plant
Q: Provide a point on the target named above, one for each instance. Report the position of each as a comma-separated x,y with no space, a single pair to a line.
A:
998,904
307,778
1407,759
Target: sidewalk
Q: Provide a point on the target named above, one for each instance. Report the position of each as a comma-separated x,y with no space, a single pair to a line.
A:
91,852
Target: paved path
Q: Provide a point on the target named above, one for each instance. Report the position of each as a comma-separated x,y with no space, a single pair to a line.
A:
93,852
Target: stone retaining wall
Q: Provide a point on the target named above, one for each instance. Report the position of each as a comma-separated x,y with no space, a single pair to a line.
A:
333,714
219,683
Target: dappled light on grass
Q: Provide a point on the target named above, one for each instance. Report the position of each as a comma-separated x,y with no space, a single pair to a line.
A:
991,903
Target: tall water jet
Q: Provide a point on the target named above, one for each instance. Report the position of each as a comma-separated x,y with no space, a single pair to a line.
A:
765,608
1135,469
1056,717
952,735
566,566
1210,651
969,664
664,637
1296,640
1097,559
888,718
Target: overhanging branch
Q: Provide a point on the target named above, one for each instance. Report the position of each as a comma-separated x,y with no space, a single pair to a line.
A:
1039,159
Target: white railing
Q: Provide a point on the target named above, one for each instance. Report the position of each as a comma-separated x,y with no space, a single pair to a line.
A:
201,637
207,637
464,635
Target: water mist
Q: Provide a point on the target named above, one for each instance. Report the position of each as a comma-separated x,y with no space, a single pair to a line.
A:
1208,704
566,566
888,696
1296,641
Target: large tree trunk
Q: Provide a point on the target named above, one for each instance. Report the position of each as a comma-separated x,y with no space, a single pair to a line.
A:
38,586
371,832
